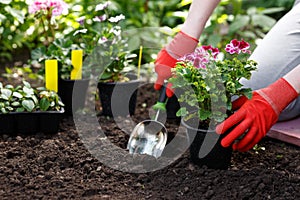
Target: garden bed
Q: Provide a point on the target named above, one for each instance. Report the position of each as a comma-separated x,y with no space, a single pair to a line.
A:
58,166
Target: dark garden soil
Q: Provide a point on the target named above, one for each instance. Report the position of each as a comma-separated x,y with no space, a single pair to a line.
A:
59,166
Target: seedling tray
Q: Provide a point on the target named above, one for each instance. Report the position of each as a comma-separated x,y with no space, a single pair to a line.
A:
30,122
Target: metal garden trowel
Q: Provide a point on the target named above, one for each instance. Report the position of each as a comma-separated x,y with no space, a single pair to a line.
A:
150,136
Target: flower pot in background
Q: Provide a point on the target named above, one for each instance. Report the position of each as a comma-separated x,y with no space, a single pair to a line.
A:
206,148
29,110
7,123
118,98
72,101
31,122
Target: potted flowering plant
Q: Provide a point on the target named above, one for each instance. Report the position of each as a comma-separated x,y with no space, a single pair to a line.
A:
24,109
100,35
49,45
96,29
57,48
209,82
108,56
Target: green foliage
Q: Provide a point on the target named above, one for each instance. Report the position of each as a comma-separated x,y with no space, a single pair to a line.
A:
210,88
48,100
152,13
12,18
240,19
248,19
100,35
95,29
60,50
285,6
24,98
149,24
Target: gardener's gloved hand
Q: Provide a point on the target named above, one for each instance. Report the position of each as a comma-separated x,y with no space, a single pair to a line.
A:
256,116
167,58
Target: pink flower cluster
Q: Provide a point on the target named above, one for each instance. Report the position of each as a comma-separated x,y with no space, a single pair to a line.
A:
56,6
237,47
201,56
204,54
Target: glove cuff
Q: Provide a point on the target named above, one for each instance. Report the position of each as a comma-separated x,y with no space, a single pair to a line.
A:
181,44
165,59
279,94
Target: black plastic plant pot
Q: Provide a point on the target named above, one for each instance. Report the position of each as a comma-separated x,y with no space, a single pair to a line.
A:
31,122
172,107
206,148
118,98
7,123
76,100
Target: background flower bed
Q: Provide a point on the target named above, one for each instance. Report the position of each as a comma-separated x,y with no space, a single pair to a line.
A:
59,167
229,21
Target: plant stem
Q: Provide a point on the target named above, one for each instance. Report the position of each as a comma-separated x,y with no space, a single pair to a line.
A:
45,31
49,16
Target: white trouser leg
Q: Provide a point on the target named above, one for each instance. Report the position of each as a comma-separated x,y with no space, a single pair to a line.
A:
277,54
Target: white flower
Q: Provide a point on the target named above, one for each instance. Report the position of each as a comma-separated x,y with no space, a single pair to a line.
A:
102,6
116,18
100,18
80,31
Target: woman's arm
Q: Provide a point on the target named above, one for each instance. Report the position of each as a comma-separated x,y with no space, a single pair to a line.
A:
293,78
199,13
184,42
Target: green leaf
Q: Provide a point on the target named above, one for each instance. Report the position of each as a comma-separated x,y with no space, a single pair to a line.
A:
52,103
44,104
2,18
2,96
16,13
35,100
28,105
38,53
18,95
214,39
16,103
263,21
21,109
248,94
240,22
3,110
40,88
28,91
6,93
9,86
182,112
9,108
273,10
5,1
26,84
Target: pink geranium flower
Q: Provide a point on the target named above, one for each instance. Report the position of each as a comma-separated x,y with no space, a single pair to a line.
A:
56,6
237,47
214,51
200,57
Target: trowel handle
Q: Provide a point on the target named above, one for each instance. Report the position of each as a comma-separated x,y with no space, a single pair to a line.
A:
161,103
163,96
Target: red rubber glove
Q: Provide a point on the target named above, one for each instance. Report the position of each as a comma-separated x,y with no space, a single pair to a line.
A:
256,116
167,58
